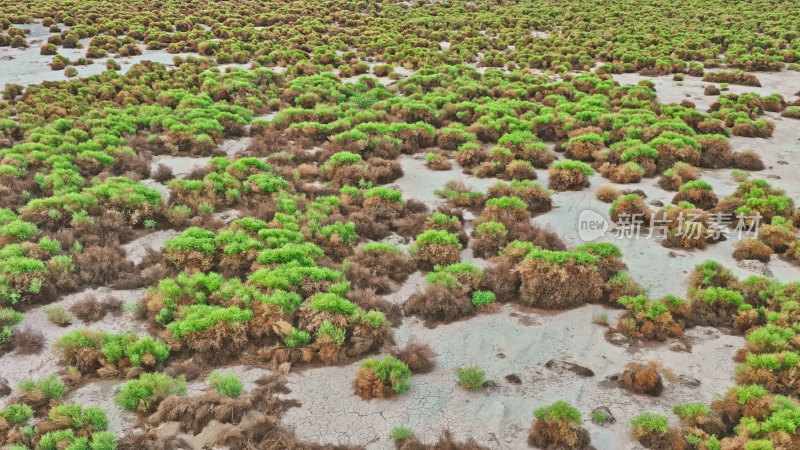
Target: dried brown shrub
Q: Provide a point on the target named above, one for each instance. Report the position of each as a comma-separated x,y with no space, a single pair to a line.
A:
162,173
621,174
632,207
89,309
671,439
730,410
189,369
701,198
679,174
362,277
151,440
368,300
445,442
777,238
438,162
607,193
567,180
752,249
369,385
558,286
101,266
419,358
439,304
215,345
246,422
747,160
394,265
544,237
518,170
732,77
27,340
436,253
503,279
646,378
536,196
558,435
717,153
638,325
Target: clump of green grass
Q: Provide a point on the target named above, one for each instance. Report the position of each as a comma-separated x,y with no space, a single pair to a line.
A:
50,386
146,392
471,378
599,417
58,315
401,432
228,384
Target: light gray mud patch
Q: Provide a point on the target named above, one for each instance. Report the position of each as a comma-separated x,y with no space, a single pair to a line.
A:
27,66
137,249
181,165
419,182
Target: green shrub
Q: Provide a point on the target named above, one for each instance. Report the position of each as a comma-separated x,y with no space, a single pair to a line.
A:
569,164
297,338
745,393
194,238
691,410
148,390
562,257
718,294
472,378
197,318
401,432
80,417
438,237
115,346
480,298
771,338
650,421
147,345
695,184
20,229
229,384
601,249
758,444
440,218
49,245
514,203
333,303
17,413
375,319
381,247
328,331
392,370
50,386
392,195
559,410
8,318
